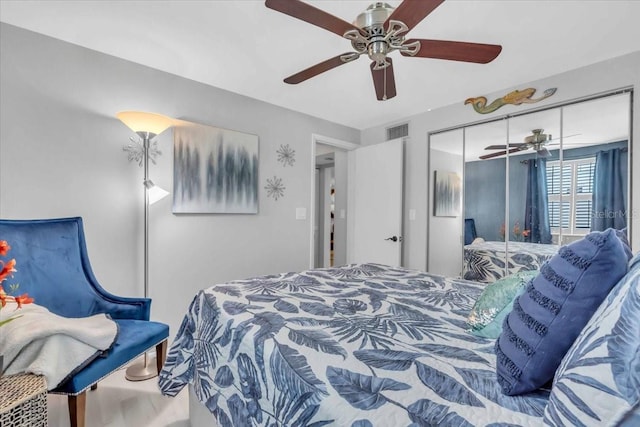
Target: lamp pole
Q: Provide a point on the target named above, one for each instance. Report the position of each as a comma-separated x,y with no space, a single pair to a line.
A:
148,136
146,126
144,371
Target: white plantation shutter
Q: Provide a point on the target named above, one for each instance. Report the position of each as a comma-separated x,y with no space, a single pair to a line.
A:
570,190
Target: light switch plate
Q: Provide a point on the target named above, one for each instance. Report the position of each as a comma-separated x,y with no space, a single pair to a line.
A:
301,213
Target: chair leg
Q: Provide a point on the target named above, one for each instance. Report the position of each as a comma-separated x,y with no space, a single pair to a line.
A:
161,355
77,407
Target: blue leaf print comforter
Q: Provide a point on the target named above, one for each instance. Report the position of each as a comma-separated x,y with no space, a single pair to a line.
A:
488,261
359,345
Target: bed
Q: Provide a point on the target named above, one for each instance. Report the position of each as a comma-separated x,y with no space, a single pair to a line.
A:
485,261
360,345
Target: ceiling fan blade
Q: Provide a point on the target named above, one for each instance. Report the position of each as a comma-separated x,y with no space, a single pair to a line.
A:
454,51
411,12
557,140
501,153
504,147
492,155
384,81
312,15
323,66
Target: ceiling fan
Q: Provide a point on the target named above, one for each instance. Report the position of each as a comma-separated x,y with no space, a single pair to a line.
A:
378,31
537,141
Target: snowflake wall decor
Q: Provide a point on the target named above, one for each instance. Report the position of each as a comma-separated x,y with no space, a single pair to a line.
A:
286,155
275,188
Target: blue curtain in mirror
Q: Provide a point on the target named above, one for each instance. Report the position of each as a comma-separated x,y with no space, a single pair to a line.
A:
608,195
536,217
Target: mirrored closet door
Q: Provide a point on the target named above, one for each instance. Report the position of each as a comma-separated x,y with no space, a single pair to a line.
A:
445,200
531,183
484,190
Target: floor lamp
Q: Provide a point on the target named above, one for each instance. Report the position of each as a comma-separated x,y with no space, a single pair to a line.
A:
147,126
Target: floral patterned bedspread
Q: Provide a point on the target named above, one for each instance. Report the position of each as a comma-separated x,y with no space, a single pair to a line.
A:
361,345
485,262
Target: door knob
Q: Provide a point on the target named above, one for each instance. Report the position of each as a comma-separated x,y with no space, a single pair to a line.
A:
394,238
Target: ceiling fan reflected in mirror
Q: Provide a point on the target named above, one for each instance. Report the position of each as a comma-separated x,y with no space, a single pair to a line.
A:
378,31
537,141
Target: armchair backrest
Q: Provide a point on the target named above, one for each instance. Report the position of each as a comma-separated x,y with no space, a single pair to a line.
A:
53,266
469,231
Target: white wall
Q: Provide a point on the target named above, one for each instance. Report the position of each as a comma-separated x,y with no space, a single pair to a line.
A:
598,78
61,155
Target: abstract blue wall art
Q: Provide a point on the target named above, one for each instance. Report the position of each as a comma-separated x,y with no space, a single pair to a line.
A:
448,194
214,170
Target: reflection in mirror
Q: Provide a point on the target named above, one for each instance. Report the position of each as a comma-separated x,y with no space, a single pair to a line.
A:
568,174
537,141
593,194
445,203
484,201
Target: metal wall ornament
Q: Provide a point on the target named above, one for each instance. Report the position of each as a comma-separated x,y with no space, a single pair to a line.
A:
286,155
275,188
517,97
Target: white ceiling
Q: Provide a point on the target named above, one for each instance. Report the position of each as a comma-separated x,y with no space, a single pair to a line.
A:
246,48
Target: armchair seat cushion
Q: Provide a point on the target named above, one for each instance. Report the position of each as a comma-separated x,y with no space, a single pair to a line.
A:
134,337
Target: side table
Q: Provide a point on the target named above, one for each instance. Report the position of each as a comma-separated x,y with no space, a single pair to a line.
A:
23,400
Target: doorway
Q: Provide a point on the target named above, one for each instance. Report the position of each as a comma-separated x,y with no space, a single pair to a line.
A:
326,226
329,201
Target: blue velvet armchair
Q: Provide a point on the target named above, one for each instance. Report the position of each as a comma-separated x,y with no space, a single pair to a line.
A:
53,267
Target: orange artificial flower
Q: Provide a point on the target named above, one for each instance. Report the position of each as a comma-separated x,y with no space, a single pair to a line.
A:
4,247
8,267
516,229
3,297
23,299
526,233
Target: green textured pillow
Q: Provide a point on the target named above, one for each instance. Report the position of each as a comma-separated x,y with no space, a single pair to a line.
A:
496,302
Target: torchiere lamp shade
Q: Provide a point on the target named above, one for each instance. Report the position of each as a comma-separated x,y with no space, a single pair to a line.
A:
140,121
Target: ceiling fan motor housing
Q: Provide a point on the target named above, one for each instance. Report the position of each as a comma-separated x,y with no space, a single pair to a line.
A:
375,16
537,137
378,42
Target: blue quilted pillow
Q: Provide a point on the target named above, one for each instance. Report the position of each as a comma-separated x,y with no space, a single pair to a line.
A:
557,304
599,378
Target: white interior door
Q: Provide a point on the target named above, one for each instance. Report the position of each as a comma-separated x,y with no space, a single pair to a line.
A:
375,204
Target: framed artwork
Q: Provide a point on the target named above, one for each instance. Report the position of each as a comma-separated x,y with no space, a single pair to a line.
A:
448,194
215,170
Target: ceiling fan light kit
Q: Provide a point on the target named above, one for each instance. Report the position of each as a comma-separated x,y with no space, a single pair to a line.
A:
377,32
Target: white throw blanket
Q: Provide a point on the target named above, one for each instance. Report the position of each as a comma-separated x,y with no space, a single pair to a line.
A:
46,344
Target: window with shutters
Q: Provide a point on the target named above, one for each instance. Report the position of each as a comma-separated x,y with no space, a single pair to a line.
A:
570,187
